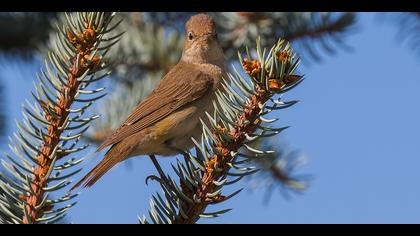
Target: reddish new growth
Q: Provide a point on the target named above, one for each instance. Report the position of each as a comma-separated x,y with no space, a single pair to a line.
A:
251,67
284,56
291,79
275,84
83,42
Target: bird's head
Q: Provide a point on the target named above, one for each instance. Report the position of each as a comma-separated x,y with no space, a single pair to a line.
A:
201,42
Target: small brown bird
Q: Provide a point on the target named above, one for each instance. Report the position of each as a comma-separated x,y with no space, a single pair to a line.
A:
165,121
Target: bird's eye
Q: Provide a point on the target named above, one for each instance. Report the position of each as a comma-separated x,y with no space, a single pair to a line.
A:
215,36
190,36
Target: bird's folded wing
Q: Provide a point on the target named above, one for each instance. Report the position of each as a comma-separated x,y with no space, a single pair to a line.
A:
171,94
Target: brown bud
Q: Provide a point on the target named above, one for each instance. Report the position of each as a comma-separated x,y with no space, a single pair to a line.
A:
275,84
291,79
23,197
283,56
251,67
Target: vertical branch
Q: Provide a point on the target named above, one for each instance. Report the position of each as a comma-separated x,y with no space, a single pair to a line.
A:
52,127
82,62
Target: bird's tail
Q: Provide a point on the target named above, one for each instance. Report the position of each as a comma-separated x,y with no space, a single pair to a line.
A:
112,157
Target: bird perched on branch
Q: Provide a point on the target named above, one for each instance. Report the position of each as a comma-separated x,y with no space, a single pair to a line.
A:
164,122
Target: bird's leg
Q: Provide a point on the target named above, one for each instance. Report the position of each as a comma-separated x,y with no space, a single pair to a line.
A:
158,168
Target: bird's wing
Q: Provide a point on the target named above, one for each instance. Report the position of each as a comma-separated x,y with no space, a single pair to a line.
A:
182,85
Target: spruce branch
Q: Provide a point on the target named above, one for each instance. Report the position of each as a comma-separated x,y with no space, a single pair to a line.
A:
238,121
308,29
53,126
218,164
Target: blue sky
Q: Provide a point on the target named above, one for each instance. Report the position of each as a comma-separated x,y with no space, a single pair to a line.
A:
357,125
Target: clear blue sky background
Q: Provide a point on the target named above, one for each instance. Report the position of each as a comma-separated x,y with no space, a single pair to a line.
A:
357,125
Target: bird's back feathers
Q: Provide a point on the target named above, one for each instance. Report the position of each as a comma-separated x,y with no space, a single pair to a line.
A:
182,85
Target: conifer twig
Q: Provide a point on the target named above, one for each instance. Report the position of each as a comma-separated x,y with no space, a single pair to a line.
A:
245,124
81,63
54,123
